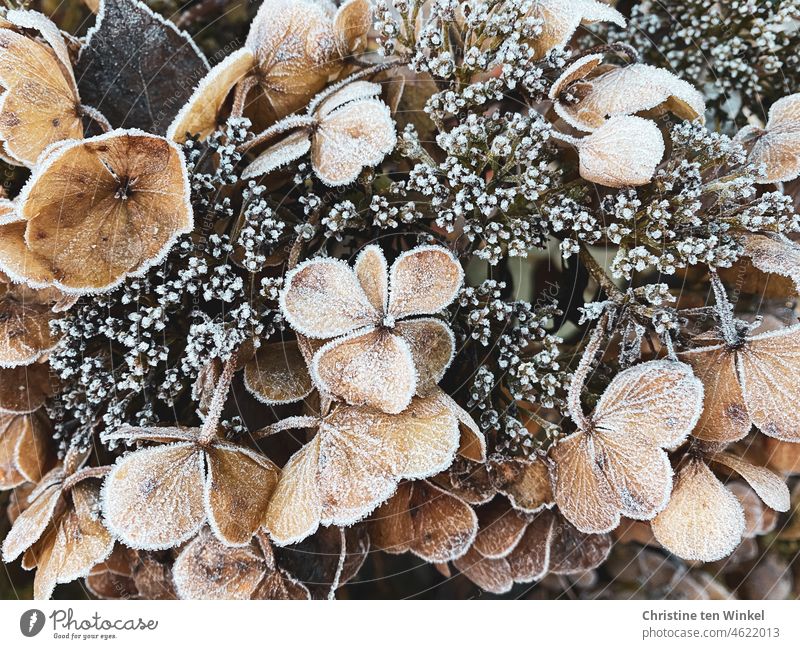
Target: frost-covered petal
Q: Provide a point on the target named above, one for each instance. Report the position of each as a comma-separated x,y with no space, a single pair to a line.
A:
659,401
25,317
153,498
769,487
201,114
575,71
208,569
324,103
278,374
703,521
31,523
774,253
530,560
33,433
292,147
432,346
372,367
500,529
561,18
423,280
473,442
572,551
624,151
352,22
525,481
391,527
777,147
160,434
24,389
357,135
769,370
372,272
238,489
629,90
492,575
322,299
724,417
444,526
296,506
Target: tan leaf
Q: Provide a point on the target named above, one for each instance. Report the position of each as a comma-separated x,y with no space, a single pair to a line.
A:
278,374
624,151
106,207
703,521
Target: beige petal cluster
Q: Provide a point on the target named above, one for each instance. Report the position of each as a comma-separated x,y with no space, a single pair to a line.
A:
24,448
777,145
382,353
349,130
756,382
704,520
294,47
561,19
615,465
96,211
60,532
39,103
208,569
355,461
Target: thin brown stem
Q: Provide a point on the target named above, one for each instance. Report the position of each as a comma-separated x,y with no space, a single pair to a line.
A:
582,372
209,429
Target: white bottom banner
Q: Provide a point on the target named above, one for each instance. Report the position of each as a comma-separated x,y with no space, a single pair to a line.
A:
399,624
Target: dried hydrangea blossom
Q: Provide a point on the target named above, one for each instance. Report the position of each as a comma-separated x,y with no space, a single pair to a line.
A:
160,496
425,520
587,93
98,210
354,462
561,18
776,147
292,49
39,105
208,569
614,464
381,354
60,532
750,380
346,131
24,448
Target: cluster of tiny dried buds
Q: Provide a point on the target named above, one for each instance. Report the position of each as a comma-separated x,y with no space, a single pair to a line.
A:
439,278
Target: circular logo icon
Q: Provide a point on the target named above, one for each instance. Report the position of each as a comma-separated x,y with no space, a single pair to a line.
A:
31,622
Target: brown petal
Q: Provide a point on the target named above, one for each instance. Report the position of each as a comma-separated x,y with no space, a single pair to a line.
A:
31,523
623,152
25,316
201,114
500,529
432,345
372,367
724,417
703,521
423,280
530,560
106,207
583,497
526,482
352,22
492,575
291,148
659,401
357,135
322,299
296,506
32,432
207,569
278,374
759,519
18,261
39,105
444,525
573,552
24,389
473,442
769,487
372,272
238,490
153,498
561,18
769,367
774,254
782,456
778,147
391,527
160,434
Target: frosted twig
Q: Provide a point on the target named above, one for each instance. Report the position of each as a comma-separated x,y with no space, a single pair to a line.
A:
724,311
209,429
582,371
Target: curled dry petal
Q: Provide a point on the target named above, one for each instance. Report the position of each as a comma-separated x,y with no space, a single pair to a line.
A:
500,529
354,463
561,19
625,90
530,560
759,519
473,441
278,374
101,209
769,487
774,253
704,521
624,151
525,481
777,146
617,466
24,453
291,148
40,104
492,575
32,522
